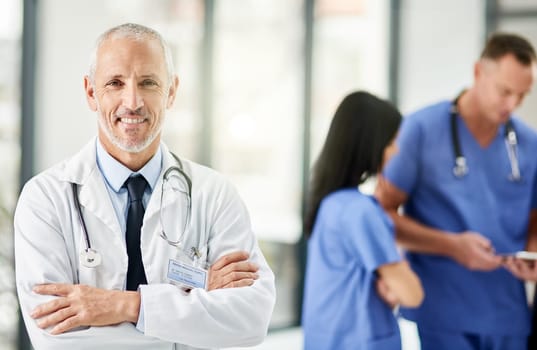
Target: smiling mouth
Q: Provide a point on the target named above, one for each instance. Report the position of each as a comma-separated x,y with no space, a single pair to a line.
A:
132,120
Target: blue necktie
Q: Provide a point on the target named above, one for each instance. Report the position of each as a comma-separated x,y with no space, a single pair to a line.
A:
135,217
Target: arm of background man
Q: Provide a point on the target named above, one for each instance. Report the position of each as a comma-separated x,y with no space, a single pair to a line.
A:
231,316
402,283
470,249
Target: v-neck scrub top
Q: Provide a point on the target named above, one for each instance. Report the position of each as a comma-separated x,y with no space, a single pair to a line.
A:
484,201
352,237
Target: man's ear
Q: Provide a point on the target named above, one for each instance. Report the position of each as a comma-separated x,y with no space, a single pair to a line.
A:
90,94
477,69
172,92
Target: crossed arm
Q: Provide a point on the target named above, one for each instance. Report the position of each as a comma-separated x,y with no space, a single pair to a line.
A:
82,305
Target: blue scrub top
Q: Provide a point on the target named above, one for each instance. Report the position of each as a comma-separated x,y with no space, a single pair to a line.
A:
352,237
483,201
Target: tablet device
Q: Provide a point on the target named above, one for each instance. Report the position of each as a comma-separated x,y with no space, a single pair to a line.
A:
524,255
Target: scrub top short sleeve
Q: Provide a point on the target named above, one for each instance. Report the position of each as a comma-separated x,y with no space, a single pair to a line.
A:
407,157
352,237
371,235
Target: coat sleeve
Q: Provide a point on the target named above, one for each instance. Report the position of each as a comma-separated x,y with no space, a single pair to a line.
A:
224,317
42,241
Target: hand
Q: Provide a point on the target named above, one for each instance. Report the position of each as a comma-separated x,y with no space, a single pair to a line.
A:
81,305
386,294
232,270
475,252
524,269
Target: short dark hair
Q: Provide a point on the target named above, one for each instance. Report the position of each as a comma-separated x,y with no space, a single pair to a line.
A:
362,127
501,44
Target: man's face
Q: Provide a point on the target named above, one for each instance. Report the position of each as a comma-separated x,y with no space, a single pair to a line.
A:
130,94
502,86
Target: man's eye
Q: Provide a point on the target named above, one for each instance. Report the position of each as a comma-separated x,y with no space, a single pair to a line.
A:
149,83
114,83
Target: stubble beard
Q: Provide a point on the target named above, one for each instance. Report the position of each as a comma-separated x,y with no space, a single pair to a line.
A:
123,144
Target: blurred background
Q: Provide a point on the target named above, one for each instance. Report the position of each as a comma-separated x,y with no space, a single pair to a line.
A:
259,83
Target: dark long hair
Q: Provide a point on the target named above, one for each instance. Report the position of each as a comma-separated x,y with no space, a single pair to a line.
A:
362,127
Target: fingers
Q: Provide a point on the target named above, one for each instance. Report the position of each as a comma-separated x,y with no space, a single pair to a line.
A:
58,289
476,252
84,306
238,279
217,279
230,258
66,325
523,269
58,313
484,243
49,307
232,270
55,318
385,293
485,260
242,266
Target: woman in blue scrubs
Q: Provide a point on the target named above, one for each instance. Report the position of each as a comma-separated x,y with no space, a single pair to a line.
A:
351,249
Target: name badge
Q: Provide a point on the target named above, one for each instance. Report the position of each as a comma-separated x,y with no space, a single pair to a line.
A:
186,275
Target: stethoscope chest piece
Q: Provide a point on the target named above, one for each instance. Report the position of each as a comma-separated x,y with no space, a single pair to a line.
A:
90,258
461,168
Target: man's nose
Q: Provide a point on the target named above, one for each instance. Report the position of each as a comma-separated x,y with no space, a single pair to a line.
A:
132,98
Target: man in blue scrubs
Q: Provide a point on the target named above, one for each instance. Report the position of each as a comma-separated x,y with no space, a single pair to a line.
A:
458,220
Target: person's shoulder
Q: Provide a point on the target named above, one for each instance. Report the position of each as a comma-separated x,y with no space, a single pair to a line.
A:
523,129
431,113
45,185
64,171
348,199
208,182
201,173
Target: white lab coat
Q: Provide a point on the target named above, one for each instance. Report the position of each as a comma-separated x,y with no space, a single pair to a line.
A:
49,237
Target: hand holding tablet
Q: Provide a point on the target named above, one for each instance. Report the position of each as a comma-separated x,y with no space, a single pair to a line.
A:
521,264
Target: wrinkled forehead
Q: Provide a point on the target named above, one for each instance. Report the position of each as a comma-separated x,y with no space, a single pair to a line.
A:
126,54
120,43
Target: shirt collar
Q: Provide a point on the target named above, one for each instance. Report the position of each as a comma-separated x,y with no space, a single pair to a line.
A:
116,173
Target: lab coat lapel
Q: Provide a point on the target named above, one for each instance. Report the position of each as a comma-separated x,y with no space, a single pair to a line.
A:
94,199
93,196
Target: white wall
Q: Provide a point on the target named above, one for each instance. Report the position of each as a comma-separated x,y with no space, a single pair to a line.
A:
65,37
441,40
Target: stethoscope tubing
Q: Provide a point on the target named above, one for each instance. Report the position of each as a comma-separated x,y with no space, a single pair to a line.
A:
461,168
74,187
179,168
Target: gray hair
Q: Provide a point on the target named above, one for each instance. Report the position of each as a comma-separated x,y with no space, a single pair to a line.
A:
135,32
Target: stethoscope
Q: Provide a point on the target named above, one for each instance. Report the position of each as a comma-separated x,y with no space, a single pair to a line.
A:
461,167
90,257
